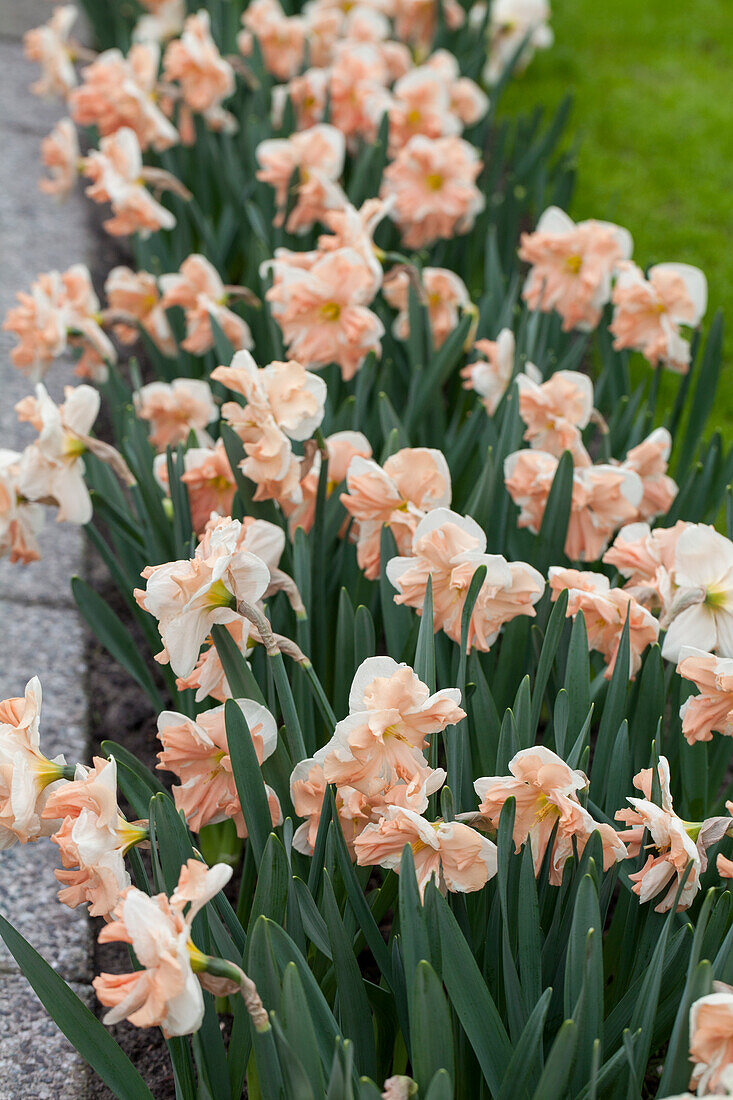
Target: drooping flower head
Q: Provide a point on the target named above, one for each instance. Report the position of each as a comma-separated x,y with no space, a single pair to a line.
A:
27,777
120,92
412,482
173,409
448,549
649,311
165,992
198,289
572,266
491,376
53,466
457,857
93,838
672,847
391,713
197,752
605,610
189,597
545,790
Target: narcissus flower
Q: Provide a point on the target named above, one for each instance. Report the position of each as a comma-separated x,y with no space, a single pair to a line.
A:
604,498
512,23
673,846
27,777
491,376
209,482
281,38
605,611
413,481
322,310
173,409
307,164
455,856
197,752
391,713
545,792
49,46
198,289
449,548
711,1041
416,20
572,266
556,412
711,710
292,395
355,809
20,519
649,460
115,171
53,466
163,20
646,559
166,991
433,184
648,311
119,91
701,609
60,311
446,297
93,838
189,597
193,61
341,448
134,296
61,157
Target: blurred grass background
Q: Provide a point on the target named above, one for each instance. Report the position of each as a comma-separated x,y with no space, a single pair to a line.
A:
652,121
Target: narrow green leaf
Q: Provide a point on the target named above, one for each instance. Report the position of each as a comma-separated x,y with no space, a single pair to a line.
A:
354,1010
80,1026
115,637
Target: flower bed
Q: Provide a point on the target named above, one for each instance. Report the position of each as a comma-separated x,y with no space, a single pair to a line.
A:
426,597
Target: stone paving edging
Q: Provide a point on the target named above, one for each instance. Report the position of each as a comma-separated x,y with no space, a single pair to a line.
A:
40,630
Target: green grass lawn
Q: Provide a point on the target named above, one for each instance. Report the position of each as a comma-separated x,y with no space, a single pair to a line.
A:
652,82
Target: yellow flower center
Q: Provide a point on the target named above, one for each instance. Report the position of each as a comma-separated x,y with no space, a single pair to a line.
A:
434,181
573,264
220,596
413,116
197,958
715,598
73,446
331,311
47,772
545,808
130,835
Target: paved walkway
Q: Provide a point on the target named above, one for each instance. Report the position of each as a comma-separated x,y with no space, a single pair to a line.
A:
40,631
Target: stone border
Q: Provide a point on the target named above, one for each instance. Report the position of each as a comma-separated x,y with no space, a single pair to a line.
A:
40,630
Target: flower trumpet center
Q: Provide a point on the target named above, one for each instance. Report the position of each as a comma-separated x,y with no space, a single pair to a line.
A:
715,598
573,264
434,181
545,808
48,772
73,446
419,845
130,834
220,596
331,311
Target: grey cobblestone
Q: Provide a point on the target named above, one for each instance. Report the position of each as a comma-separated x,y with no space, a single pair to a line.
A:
40,632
